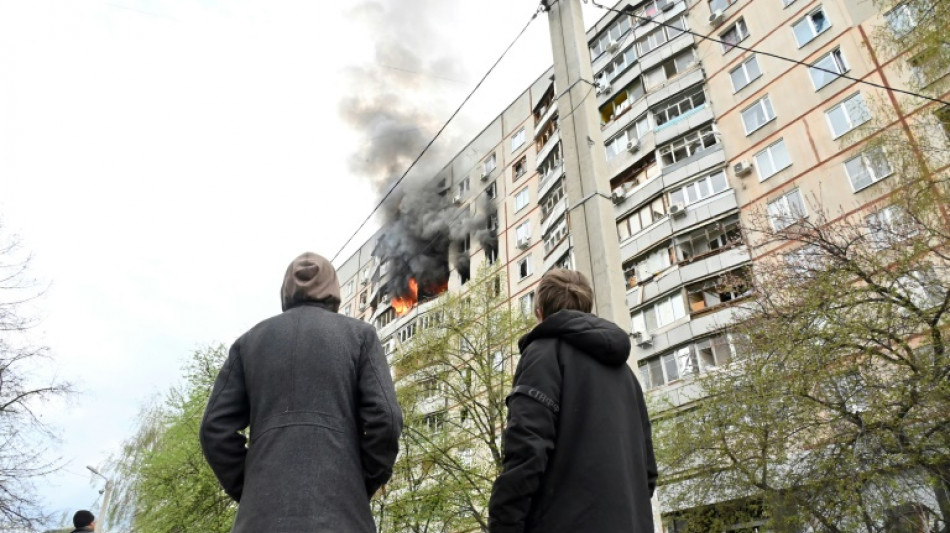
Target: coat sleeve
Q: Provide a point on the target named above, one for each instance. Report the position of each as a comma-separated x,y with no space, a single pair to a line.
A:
227,414
529,438
649,457
379,415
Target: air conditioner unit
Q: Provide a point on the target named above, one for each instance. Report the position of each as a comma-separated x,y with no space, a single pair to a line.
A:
523,242
677,210
364,281
617,198
362,307
485,174
716,18
633,146
742,168
603,87
668,4
642,338
612,46
457,199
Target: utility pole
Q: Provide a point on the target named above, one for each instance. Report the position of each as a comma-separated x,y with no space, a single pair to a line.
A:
106,495
586,184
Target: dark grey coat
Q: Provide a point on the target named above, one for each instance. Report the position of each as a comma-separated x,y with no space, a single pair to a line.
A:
316,391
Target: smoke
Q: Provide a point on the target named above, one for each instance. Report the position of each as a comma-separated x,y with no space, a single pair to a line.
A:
397,104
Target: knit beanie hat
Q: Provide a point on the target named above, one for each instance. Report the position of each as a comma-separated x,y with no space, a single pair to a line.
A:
83,518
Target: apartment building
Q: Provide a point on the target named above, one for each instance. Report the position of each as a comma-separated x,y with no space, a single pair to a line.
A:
701,139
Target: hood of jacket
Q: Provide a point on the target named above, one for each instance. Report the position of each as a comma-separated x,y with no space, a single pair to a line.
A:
310,278
599,338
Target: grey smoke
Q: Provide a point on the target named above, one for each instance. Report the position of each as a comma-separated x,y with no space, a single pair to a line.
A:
395,105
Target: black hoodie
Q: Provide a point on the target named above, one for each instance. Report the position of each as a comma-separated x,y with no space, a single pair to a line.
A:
578,451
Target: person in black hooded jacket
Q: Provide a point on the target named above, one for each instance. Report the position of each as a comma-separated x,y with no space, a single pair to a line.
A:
578,455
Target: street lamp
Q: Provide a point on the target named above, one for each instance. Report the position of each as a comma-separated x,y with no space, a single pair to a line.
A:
106,494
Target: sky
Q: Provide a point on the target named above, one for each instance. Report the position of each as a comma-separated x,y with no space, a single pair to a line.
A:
164,160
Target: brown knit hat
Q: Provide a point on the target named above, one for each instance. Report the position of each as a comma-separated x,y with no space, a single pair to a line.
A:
310,278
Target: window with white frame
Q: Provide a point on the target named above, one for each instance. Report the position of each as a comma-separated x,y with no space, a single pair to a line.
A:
786,3
680,105
745,73
518,140
867,168
489,164
661,35
492,190
902,19
637,129
700,189
407,332
524,268
345,310
720,5
348,289
887,226
616,31
463,186
641,218
669,69
922,287
847,115
810,26
521,199
734,35
555,235
712,293
434,422
771,160
787,209
652,263
757,115
708,240
699,357
552,200
618,65
526,303
659,314
834,62
523,231
688,145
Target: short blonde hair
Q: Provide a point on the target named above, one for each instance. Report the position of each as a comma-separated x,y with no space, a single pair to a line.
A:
564,289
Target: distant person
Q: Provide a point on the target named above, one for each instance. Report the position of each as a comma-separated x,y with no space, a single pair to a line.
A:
578,455
84,521
315,389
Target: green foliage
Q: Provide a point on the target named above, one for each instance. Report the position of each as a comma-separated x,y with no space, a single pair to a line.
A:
451,381
165,485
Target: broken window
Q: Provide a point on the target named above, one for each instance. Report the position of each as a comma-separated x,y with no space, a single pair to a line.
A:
643,172
810,27
653,262
565,262
708,240
527,304
641,218
712,293
492,190
524,268
520,168
688,145
734,35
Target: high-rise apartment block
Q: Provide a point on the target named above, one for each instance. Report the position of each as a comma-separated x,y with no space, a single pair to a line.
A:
700,139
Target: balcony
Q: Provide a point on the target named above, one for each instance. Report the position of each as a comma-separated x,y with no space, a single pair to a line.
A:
553,217
550,179
548,146
684,123
545,118
684,331
551,258
695,270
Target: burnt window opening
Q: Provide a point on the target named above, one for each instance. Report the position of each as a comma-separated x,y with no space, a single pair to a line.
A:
492,190
520,168
491,255
465,244
464,275
712,293
524,268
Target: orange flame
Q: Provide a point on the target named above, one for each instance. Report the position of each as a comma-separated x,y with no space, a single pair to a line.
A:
403,304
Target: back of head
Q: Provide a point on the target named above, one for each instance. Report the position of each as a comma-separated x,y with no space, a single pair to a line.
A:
83,519
564,289
310,278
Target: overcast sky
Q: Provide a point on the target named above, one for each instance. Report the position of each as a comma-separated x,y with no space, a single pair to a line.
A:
165,159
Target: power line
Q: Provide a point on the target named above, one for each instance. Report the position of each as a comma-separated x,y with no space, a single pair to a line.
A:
628,10
437,134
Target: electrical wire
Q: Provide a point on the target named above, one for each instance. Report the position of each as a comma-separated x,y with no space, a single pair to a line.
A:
438,133
628,10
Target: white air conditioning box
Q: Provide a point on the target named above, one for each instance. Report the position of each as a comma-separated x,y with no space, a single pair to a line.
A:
633,146
742,168
677,210
716,18
523,242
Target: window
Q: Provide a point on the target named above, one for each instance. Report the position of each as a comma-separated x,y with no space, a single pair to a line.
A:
552,199
708,240
348,288
847,115
650,264
635,131
682,105
810,27
345,310
720,5
786,3
619,64
700,189
614,33
407,332
491,255
523,231
922,287
832,61
669,68
527,304
621,102
635,176
734,35
887,226
757,115
771,160
867,168
463,186
434,422
661,35
688,145
712,293
902,19
744,74
520,168
492,190
660,314
489,164
641,218
555,235
524,268
565,262
518,140
521,199
943,118
787,209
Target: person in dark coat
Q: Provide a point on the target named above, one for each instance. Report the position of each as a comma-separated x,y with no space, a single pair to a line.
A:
84,521
315,391
578,454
